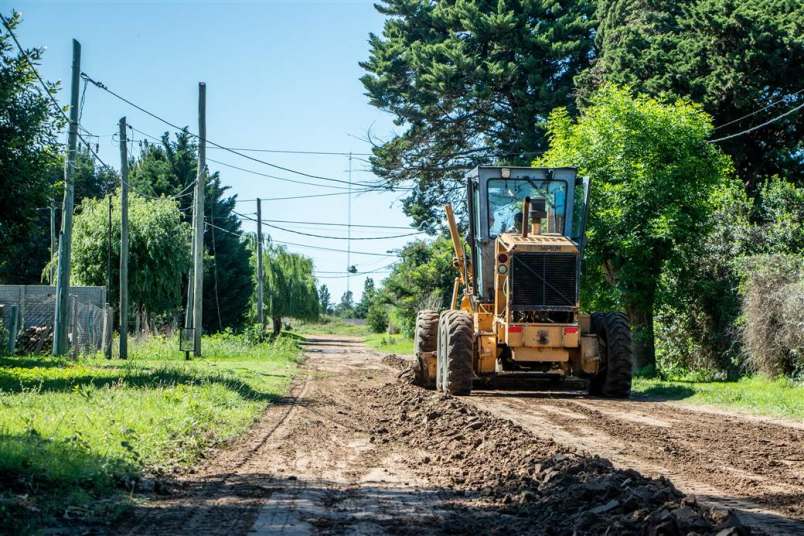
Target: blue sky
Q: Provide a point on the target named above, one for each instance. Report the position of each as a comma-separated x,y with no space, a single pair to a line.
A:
280,75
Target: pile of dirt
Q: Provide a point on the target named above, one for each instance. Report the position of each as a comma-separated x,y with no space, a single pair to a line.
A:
532,485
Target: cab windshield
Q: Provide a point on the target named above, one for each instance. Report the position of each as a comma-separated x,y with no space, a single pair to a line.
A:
505,204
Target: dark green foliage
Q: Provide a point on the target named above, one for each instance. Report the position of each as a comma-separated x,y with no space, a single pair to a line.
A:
170,169
326,300
470,82
732,56
422,279
699,318
369,292
377,317
346,307
28,147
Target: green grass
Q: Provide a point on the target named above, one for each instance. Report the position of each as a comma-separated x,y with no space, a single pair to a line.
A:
74,436
758,395
330,325
392,344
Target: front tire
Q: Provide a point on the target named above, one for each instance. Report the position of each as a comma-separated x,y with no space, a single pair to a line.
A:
458,338
613,380
424,342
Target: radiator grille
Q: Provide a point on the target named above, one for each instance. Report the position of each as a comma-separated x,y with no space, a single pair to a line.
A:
543,280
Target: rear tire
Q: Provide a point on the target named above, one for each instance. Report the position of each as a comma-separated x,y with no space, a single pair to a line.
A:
425,340
459,340
441,348
613,380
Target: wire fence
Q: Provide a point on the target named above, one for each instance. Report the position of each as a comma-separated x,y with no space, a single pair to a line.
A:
28,314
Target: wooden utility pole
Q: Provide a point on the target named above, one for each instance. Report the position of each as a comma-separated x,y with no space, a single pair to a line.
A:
52,275
65,241
260,274
198,237
123,240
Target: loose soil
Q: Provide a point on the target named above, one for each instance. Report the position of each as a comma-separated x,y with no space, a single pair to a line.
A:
355,449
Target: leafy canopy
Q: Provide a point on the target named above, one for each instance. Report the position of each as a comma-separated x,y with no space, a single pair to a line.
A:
733,57
653,178
28,147
159,250
290,288
422,279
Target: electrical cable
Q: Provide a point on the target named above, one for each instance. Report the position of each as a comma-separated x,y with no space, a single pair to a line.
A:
325,236
281,242
766,123
340,224
286,151
103,87
284,179
774,103
47,90
302,196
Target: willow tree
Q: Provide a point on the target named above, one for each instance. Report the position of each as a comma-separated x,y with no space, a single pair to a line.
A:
159,251
289,286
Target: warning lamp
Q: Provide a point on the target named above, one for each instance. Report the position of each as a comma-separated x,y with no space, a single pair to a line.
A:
514,329
570,330
502,257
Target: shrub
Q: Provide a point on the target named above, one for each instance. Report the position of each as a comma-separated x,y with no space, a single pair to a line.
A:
773,314
377,317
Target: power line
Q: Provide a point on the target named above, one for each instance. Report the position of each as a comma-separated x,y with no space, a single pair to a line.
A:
340,224
325,236
322,248
774,103
284,179
766,123
46,88
303,196
286,151
102,86
381,269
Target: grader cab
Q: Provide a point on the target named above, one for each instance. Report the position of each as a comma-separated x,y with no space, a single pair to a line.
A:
515,309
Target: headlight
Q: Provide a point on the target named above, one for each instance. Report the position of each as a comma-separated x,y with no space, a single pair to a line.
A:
503,269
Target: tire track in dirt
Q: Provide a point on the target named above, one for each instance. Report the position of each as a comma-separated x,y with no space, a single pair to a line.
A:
308,466
744,463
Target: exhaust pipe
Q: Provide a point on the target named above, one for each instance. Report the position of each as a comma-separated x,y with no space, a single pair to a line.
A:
525,217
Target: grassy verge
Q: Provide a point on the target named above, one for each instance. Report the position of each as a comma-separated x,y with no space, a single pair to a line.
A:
391,344
74,436
758,395
330,325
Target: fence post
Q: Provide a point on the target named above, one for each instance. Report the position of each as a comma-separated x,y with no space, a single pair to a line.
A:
12,330
74,325
22,311
107,331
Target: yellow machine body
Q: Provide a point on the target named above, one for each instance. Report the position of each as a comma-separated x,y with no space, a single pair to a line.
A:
506,339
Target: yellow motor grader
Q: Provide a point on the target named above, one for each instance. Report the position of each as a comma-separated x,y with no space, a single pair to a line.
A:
515,303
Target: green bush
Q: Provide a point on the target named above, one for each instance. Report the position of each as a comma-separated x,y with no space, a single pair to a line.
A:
773,314
377,317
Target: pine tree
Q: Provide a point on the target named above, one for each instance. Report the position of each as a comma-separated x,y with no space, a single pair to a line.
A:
734,58
470,82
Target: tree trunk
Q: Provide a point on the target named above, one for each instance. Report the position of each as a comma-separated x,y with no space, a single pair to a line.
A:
277,321
644,350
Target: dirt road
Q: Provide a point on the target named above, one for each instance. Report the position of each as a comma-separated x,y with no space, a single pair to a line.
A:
746,463
353,450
